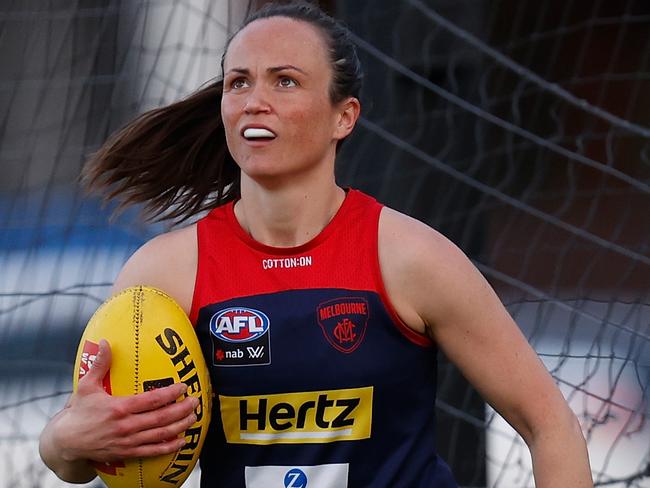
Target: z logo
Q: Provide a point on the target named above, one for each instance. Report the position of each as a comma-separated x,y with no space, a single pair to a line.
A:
295,478
255,352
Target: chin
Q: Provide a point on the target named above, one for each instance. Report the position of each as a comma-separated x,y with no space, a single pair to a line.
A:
267,168
275,177
264,173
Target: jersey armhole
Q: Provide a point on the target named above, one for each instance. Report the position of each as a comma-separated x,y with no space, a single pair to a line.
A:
413,336
194,309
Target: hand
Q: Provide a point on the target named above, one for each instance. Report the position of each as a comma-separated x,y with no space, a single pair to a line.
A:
99,427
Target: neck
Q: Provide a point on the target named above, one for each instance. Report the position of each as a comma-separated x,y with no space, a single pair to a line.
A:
290,215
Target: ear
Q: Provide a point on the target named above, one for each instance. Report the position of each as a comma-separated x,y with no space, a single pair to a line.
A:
347,115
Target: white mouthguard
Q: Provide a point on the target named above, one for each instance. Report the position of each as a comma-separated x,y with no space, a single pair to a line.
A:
258,133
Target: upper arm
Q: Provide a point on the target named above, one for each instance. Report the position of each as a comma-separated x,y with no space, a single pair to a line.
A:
167,262
437,290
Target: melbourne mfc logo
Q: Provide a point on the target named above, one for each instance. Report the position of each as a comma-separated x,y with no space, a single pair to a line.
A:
240,337
344,322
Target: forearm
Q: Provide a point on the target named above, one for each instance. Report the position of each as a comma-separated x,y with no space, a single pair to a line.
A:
560,457
55,457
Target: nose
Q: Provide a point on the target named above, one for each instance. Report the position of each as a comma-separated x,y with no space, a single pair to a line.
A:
257,101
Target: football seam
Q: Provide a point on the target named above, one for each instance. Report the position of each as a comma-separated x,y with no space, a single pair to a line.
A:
137,319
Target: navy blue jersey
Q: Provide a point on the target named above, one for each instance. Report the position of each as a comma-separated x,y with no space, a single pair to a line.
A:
317,381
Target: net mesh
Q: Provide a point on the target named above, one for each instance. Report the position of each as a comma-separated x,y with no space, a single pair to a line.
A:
519,129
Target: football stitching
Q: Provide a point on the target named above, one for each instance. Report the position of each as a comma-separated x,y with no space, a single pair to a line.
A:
137,319
140,473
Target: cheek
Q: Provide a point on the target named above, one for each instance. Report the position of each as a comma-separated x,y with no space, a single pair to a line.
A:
314,123
229,120
227,111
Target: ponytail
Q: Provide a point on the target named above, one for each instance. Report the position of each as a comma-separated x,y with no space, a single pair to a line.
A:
173,159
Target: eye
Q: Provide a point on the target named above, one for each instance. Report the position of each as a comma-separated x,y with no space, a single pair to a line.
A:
238,83
286,82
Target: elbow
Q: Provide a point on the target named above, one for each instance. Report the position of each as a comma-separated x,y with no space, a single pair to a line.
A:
78,472
561,425
74,477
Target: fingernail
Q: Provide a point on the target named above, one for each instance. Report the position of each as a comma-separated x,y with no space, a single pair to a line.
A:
195,401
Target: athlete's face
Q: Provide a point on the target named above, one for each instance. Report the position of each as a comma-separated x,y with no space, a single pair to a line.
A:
276,108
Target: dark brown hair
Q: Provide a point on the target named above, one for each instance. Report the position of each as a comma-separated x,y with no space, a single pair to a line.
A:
174,159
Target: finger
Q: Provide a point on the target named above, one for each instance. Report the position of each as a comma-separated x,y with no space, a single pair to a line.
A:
163,434
100,366
156,449
164,416
151,400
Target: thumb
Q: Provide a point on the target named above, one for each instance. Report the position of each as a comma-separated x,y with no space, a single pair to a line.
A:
101,364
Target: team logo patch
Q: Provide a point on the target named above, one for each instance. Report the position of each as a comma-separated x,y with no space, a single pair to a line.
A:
344,322
240,337
318,476
295,478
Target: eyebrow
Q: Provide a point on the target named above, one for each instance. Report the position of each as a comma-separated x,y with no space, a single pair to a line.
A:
273,69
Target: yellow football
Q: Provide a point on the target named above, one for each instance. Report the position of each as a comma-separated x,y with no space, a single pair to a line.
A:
153,344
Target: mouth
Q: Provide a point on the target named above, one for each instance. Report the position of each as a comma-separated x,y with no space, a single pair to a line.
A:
258,134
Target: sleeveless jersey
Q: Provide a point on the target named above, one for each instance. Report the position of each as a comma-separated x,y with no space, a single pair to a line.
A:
317,381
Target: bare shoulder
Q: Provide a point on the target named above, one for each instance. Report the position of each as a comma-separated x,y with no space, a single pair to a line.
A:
421,268
412,245
167,262
400,230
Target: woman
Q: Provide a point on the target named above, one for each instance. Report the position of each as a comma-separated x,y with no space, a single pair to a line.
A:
347,300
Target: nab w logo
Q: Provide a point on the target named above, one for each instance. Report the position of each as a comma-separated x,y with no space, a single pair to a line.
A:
255,352
295,478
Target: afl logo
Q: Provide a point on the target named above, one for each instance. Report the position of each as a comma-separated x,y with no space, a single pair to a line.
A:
239,324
